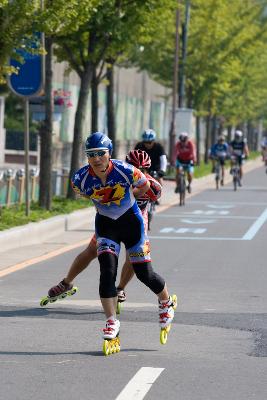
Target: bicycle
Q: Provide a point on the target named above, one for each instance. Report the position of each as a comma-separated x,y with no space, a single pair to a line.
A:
151,208
218,172
150,212
181,185
235,171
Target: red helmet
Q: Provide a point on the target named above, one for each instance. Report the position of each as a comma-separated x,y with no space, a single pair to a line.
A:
138,158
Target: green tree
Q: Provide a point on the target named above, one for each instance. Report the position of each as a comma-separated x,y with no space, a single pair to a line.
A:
107,35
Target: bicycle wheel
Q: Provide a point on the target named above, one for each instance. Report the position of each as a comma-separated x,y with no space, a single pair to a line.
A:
217,179
235,182
182,186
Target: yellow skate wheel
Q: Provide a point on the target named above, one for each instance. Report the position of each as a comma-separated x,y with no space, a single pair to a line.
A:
44,301
168,328
163,336
106,347
118,309
175,301
72,291
117,345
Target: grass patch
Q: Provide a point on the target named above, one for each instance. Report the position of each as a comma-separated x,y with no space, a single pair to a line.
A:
15,215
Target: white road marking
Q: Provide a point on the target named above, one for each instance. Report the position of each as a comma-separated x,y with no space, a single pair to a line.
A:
191,230
200,221
220,206
193,238
210,212
256,226
232,203
140,384
190,215
183,230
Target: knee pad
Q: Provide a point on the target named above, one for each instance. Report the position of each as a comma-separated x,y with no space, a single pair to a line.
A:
105,245
149,277
108,273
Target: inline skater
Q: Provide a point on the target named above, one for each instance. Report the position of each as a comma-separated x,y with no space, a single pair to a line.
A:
112,185
238,149
156,153
219,151
185,157
141,160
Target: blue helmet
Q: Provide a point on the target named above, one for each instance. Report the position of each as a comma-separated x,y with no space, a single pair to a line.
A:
148,135
98,141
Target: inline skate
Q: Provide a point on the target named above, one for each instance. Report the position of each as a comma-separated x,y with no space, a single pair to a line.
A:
58,292
166,314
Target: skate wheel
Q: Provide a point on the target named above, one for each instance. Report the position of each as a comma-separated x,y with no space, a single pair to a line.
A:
106,347
53,300
163,336
175,301
118,309
63,295
44,301
73,291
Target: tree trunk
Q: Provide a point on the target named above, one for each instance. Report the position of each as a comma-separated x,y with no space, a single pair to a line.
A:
213,129
207,140
94,102
198,139
111,122
76,156
45,193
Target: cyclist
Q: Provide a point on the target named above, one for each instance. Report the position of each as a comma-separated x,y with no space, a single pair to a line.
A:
156,153
238,149
219,151
264,149
185,157
141,160
112,185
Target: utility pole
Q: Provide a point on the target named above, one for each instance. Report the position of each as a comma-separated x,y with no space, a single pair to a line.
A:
184,51
175,86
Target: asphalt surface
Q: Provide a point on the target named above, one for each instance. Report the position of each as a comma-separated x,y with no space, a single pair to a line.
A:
212,253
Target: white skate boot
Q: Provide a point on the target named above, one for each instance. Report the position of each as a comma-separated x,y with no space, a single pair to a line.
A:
111,336
112,328
166,314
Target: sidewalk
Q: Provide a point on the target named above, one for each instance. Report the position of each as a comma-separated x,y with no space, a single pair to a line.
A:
29,243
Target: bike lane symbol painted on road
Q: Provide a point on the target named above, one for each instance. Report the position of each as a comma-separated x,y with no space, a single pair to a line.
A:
220,206
198,221
210,212
183,230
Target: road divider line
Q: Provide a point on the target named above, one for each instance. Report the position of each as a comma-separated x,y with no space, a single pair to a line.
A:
256,226
44,257
140,384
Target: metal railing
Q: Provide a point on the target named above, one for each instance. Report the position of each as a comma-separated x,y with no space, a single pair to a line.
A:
12,185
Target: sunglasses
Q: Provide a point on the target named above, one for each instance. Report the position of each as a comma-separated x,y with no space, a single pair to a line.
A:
100,153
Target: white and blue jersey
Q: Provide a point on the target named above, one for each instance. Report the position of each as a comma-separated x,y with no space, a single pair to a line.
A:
118,218
115,197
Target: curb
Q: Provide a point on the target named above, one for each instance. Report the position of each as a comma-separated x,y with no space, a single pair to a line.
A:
38,232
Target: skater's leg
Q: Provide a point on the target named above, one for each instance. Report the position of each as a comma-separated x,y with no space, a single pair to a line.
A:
155,282
109,306
107,288
81,261
127,273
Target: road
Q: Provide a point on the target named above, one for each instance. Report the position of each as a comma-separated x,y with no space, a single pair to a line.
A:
212,253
